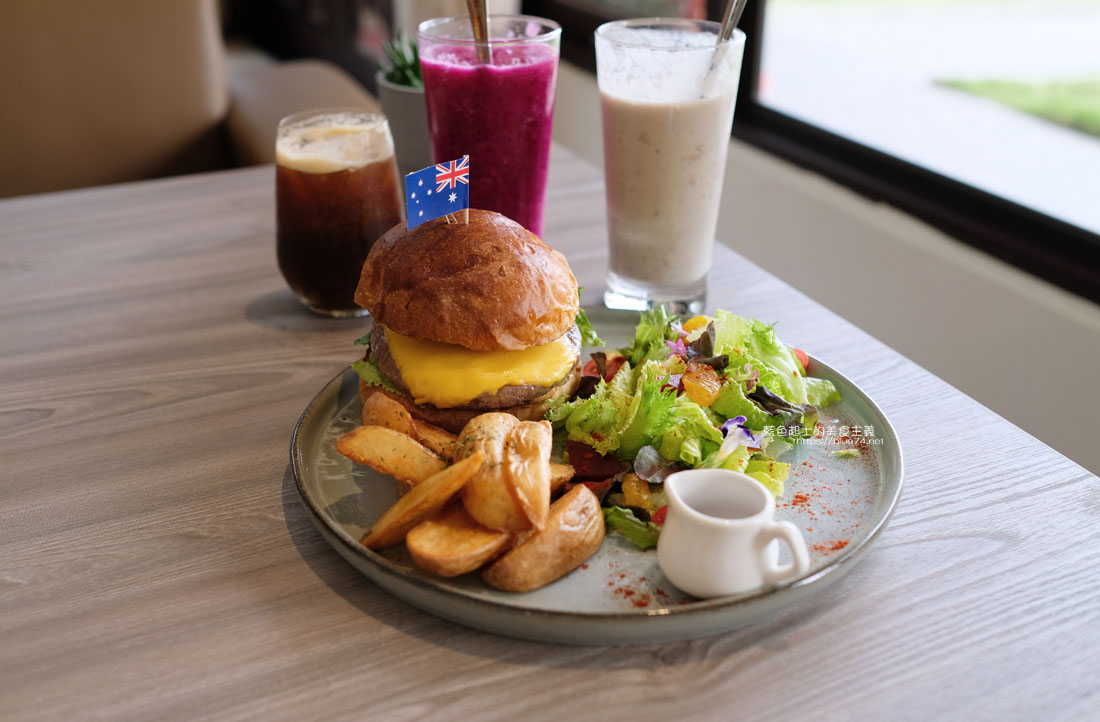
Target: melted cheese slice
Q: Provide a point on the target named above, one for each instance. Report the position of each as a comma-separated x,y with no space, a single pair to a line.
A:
444,375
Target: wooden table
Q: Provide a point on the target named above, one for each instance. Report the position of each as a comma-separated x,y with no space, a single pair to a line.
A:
156,563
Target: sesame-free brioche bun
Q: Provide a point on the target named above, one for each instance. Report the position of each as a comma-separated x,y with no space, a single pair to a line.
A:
489,285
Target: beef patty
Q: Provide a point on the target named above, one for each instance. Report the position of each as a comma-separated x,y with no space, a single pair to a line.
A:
503,398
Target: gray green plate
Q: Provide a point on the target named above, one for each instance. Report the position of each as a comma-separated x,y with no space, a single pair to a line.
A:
619,596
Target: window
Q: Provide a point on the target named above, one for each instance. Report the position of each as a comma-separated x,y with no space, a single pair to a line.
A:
1001,96
981,117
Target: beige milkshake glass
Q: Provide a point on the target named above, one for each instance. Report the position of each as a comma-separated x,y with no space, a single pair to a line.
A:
667,91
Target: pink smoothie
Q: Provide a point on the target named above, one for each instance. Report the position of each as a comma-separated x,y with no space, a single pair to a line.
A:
501,116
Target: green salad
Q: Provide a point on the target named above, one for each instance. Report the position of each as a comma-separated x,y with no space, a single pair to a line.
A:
716,391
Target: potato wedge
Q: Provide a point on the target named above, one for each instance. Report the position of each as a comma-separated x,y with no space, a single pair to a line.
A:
573,532
390,452
559,474
439,440
487,497
381,410
423,500
452,543
527,468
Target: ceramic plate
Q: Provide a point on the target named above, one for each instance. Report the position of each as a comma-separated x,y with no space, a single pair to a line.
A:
619,595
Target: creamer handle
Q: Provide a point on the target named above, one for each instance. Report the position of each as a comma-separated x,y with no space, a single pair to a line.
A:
789,533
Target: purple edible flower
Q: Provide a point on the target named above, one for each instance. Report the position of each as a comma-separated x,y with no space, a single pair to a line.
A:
743,436
731,423
679,329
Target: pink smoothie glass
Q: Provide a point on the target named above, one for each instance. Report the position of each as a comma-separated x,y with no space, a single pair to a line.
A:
496,104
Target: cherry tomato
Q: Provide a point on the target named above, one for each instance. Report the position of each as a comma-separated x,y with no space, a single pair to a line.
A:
660,515
614,363
803,357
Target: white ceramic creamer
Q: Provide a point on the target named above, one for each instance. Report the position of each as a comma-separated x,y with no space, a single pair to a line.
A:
721,537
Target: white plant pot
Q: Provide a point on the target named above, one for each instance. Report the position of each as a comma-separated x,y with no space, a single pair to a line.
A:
408,116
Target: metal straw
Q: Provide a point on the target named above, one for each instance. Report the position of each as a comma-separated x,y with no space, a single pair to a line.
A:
732,16
734,8
479,20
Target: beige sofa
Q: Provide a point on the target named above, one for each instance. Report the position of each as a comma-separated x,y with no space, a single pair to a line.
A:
119,90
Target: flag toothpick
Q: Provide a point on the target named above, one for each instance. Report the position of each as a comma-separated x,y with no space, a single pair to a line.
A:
438,191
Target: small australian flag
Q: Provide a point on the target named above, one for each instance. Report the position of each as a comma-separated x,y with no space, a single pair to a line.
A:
437,190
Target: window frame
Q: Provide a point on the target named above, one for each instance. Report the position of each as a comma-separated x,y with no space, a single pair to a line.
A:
1059,252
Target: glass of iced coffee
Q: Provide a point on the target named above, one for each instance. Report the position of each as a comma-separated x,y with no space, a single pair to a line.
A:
337,191
667,89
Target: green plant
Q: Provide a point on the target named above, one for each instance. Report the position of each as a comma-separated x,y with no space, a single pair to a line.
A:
404,62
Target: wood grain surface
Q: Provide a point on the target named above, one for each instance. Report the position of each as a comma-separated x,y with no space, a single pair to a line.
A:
155,561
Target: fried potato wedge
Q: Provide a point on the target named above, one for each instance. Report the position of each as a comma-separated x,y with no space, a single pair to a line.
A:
559,474
423,501
574,531
488,498
452,543
527,468
439,440
390,452
381,410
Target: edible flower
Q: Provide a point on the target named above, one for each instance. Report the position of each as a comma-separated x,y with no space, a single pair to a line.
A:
651,466
677,348
741,436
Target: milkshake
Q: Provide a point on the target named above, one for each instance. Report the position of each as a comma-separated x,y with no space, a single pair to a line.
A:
668,96
500,112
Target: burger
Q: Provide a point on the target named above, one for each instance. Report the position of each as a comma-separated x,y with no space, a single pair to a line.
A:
469,318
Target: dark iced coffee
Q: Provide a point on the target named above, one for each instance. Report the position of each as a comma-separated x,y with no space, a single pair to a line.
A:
337,191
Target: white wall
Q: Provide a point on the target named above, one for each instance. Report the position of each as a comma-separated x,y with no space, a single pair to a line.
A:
1021,346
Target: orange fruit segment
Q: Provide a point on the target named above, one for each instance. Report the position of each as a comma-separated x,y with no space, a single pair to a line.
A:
701,384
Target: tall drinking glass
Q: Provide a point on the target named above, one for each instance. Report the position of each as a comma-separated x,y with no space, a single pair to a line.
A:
336,191
667,93
494,101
